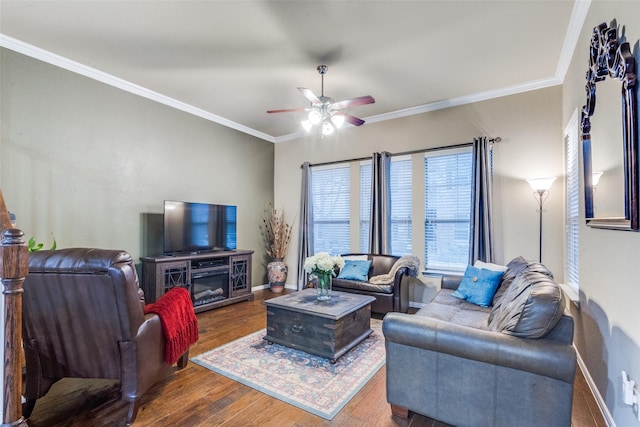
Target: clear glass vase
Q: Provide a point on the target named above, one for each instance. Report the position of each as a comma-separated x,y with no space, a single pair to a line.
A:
322,282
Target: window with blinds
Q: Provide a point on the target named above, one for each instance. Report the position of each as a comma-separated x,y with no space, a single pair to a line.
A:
447,177
572,204
401,205
330,188
365,205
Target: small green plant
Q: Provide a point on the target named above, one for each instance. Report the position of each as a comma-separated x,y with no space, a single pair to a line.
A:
32,246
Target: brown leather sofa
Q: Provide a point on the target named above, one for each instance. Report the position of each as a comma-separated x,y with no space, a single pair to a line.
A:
389,297
83,317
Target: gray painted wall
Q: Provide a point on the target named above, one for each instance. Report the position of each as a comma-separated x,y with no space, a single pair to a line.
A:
607,334
91,165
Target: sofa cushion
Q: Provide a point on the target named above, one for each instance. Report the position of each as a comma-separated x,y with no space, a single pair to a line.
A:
446,307
515,267
530,307
490,266
478,285
362,257
382,264
355,270
347,284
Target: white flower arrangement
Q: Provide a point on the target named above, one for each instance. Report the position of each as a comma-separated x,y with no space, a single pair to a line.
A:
322,262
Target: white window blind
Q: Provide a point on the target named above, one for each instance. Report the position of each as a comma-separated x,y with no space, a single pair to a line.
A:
401,205
365,205
447,209
330,187
572,202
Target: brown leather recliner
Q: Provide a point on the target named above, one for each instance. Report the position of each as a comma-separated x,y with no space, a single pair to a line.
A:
83,317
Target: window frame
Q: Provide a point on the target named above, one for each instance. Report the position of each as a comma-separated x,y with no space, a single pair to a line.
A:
344,234
440,266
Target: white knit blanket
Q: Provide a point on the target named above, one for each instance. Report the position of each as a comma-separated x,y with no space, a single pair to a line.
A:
410,261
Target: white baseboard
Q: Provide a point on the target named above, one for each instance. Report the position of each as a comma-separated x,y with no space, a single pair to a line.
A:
608,418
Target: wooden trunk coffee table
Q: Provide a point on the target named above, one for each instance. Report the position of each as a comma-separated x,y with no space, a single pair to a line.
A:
324,328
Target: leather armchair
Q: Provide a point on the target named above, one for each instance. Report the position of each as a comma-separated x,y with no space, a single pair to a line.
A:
83,317
391,297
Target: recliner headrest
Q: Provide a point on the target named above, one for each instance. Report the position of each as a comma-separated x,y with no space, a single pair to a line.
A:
76,260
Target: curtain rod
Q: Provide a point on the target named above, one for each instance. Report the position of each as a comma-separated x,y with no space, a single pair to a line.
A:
404,153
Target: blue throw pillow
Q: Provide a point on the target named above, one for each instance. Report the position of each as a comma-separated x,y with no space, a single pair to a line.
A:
478,286
355,270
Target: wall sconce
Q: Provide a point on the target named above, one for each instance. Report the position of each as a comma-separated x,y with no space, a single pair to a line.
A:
540,188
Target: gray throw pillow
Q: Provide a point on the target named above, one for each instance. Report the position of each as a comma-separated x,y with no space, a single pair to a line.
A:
515,267
531,306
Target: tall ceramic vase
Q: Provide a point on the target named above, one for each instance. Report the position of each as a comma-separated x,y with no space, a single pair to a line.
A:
277,271
323,283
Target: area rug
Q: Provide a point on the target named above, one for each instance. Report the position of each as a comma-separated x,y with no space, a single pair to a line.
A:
309,382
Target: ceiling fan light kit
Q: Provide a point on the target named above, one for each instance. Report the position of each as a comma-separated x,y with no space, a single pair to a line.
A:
323,111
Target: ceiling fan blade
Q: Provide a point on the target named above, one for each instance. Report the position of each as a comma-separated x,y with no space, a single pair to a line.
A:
288,110
361,100
309,95
352,119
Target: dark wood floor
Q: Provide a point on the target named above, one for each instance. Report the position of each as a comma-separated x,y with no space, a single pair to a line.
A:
195,396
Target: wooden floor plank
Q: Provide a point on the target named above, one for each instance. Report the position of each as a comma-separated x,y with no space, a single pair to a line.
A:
195,396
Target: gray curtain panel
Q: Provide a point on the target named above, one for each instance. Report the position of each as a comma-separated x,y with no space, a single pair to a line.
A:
380,224
481,202
306,219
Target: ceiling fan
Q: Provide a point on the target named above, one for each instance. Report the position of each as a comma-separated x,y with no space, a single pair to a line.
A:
324,111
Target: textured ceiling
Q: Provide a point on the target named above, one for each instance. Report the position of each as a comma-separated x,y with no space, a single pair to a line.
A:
230,61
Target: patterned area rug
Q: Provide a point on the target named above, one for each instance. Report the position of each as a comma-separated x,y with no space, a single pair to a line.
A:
293,376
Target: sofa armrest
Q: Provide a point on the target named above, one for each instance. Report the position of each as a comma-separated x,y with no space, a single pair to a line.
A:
401,289
143,358
450,281
537,356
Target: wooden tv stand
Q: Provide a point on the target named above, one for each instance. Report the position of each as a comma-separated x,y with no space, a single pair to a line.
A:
214,279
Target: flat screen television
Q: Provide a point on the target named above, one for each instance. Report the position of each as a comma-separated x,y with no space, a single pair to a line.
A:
198,227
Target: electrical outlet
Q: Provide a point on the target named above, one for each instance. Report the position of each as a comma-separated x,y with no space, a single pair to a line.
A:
627,389
630,394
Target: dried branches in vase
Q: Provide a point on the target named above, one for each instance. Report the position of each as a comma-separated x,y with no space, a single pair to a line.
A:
276,232
277,235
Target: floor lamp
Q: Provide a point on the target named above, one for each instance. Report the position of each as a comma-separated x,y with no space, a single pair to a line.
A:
540,188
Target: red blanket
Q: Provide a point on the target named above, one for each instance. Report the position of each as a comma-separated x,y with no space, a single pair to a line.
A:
179,322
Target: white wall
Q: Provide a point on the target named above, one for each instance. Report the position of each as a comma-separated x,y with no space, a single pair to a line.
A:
89,164
530,127
607,333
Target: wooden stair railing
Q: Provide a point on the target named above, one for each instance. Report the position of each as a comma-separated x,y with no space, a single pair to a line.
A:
14,267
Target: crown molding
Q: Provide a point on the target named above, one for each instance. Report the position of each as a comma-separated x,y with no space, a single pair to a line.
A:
467,99
440,105
576,22
84,70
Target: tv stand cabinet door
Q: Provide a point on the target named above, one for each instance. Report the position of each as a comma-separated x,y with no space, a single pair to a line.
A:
240,275
159,277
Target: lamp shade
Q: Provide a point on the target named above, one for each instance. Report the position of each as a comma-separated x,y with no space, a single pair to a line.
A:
595,178
307,125
315,117
541,184
338,120
327,128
